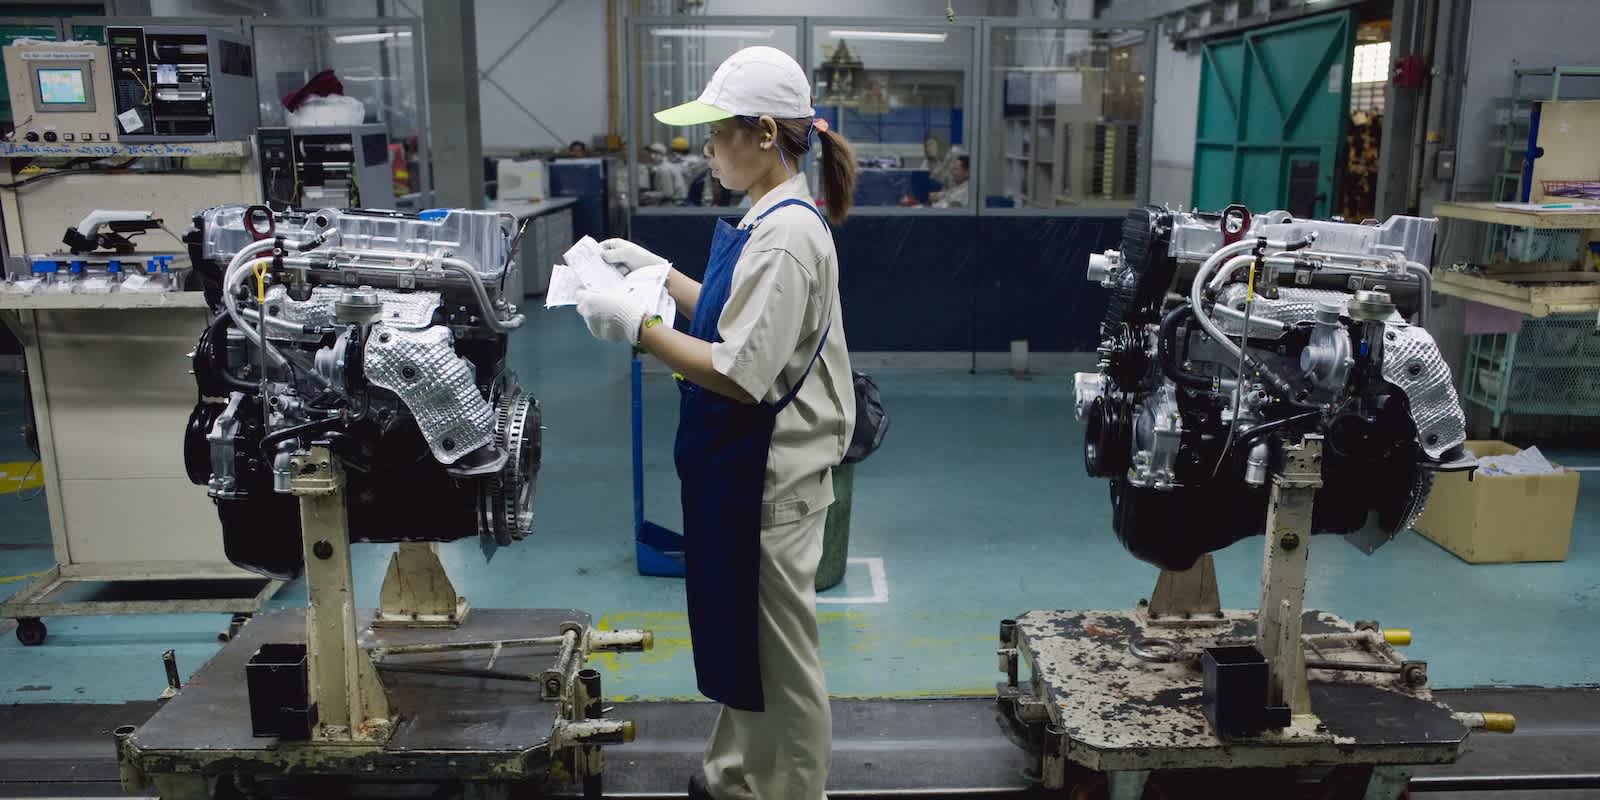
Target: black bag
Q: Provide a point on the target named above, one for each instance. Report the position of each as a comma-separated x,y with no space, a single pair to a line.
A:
872,422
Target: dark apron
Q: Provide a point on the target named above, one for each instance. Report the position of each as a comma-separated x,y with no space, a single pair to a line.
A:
721,454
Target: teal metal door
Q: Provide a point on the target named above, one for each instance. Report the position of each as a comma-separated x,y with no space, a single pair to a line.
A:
1273,105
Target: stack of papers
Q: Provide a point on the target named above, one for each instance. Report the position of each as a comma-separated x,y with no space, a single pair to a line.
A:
1526,462
1576,206
585,269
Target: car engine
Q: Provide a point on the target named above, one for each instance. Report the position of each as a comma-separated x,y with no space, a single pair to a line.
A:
381,335
1228,334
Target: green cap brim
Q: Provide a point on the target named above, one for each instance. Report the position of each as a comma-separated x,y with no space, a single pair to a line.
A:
693,112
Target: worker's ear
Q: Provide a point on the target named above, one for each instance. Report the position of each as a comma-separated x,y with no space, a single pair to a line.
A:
769,132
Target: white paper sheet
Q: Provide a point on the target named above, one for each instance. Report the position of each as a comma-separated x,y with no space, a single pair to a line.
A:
585,269
1526,462
131,121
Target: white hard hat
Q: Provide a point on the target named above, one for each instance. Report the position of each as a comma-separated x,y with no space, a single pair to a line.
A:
753,82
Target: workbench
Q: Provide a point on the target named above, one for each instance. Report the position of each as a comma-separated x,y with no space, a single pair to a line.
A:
109,379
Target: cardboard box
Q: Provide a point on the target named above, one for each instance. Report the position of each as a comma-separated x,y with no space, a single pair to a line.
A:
1498,519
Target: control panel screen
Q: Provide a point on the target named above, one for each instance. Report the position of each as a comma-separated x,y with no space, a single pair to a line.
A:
62,86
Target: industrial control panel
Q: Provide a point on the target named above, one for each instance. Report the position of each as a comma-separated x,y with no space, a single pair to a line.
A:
331,167
60,92
182,84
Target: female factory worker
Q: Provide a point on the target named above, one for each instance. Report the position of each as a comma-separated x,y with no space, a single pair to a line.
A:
766,411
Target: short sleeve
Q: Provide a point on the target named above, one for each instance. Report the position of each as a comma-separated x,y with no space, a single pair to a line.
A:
762,322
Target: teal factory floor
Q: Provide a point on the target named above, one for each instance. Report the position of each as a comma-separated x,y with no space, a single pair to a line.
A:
976,509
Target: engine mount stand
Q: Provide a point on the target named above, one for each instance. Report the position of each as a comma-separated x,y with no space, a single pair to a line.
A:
1185,598
350,701
1114,698
493,703
417,592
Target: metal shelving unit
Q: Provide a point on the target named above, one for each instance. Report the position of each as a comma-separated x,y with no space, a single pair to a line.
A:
1510,179
1551,366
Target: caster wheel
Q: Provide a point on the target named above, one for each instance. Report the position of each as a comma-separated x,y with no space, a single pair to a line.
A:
30,632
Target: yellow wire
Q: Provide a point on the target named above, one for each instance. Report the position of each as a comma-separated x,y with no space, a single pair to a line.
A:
1250,291
148,100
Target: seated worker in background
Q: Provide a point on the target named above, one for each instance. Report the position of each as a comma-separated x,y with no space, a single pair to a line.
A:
661,183
955,194
577,150
936,159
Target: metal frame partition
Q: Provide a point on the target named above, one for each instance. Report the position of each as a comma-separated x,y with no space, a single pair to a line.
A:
419,70
978,118
634,107
970,96
232,23
805,45
985,143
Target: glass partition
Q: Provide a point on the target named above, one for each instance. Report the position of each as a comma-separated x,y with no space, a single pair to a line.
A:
1065,117
377,63
991,115
670,63
900,93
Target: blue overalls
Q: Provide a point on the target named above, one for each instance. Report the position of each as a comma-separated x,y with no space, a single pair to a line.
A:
721,455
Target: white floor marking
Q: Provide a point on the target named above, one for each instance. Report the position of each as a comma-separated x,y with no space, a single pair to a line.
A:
880,585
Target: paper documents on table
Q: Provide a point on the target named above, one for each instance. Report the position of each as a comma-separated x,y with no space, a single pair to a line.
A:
1524,462
585,269
1573,207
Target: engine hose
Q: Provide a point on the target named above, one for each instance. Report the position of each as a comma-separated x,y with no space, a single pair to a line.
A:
1425,285
218,333
1164,350
270,442
1268,427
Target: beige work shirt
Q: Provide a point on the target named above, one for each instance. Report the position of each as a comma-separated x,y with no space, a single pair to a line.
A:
785,289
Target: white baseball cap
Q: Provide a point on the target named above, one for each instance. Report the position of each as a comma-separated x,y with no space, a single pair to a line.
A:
752,82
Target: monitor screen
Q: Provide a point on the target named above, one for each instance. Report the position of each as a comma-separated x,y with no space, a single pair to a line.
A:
62,86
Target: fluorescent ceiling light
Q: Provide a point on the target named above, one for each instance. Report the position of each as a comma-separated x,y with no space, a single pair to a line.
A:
358,38
889,36
713,33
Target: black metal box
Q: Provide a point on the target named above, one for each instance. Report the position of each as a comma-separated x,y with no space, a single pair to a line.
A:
1234,700
279,681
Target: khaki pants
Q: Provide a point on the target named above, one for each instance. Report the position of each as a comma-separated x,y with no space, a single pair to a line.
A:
782,753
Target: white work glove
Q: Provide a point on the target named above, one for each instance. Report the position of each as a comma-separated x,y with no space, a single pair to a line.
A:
613,316
625,256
